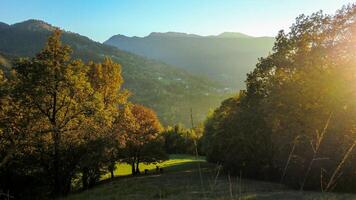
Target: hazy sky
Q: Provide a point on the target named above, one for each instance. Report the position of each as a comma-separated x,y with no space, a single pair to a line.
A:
101,19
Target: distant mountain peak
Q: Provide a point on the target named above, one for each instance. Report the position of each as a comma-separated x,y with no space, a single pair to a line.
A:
171,34
233,35
34,25
120,36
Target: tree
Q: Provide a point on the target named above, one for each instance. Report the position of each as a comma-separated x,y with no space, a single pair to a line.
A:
178,140
140,127
6,138
101,142
57,89
9,131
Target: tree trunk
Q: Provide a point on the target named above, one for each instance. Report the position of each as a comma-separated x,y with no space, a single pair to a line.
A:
67,186
112,174
92,181
85,178
133,167
112,168
137,165
56,162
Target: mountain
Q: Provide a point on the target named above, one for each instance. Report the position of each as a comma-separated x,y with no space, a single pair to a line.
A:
226,58
170,91
233,35
4,25
172,34
33,25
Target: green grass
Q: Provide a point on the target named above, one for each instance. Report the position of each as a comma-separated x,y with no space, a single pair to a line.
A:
123,169
181,180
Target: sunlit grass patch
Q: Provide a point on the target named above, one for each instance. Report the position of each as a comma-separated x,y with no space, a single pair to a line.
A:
124,169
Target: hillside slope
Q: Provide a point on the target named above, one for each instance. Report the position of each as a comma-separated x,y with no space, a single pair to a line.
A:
227,57
170,91
181,180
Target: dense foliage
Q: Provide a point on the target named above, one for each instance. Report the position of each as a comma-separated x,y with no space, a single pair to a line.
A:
63,120
141,129
179,140
295,123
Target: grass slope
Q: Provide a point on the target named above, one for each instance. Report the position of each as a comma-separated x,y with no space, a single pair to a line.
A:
123,169
181,180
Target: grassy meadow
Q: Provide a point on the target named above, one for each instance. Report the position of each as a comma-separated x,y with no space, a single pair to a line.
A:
124,169
181,180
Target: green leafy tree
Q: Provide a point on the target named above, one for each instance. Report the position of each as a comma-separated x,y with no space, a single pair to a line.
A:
178,140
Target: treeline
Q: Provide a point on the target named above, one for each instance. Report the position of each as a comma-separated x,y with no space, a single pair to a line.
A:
64,123
180,140
295,122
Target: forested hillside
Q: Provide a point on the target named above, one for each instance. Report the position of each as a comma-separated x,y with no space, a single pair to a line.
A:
226,58
171,92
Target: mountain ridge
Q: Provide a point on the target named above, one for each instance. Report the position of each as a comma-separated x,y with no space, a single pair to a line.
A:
173,34
34,25
225,58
